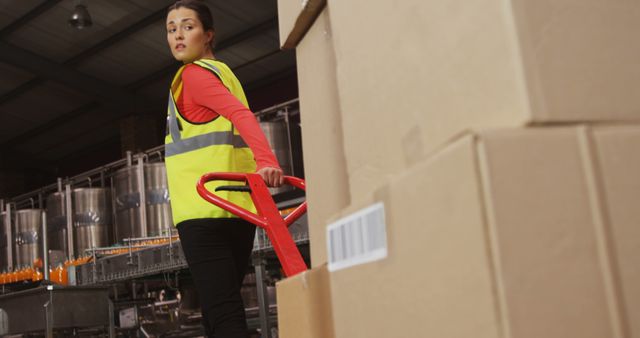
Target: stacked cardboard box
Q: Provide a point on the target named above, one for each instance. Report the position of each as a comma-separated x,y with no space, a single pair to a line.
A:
304,303
413,74
500,137
322,139
522,233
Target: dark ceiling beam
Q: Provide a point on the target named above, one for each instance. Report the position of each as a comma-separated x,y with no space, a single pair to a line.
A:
21,89
256,60
170,68
32,14
53,71
71,138
91,51
247,34
119,36
49,125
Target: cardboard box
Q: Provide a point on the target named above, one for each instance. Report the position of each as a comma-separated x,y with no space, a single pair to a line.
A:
412,74
324,162
619,165
295,17
505,233
304,305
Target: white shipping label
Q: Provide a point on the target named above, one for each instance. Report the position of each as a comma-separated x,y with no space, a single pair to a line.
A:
358,238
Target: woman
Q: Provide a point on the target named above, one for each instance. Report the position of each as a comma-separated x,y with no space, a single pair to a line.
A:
209,128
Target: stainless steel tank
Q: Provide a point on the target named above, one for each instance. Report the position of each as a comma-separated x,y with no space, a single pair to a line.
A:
6,242
27,226
159,220
127,200
92,220
57,222
278,137
127,204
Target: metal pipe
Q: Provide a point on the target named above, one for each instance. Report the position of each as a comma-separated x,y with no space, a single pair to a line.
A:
90,181
287,124
7,220
129,158
276,107
45,246
263,301
1,205
112,322
114,213
126,240
159,153
48,310
70,244
143,196
59,184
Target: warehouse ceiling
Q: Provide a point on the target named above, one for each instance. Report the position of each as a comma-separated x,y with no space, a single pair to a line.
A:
65,92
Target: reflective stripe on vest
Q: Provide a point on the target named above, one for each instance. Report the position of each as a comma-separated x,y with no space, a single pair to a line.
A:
179,145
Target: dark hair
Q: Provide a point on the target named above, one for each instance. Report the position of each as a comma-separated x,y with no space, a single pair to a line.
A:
201,9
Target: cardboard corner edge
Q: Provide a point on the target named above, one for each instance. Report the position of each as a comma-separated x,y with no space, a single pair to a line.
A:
314,317
305,20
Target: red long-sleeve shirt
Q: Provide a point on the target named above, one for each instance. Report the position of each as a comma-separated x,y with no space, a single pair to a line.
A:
204,97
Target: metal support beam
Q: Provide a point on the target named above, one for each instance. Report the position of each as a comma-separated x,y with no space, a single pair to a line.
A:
51,70
256,60
32,14
21,89
263,299
247,34
49,125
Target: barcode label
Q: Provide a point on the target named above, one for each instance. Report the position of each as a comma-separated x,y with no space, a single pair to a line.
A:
358,238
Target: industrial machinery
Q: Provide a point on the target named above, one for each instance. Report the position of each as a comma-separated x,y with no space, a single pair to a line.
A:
107,240
57,222
6,239
26,229
92,225
141,214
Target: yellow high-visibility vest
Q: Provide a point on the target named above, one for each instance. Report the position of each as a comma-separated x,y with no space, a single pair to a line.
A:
192,150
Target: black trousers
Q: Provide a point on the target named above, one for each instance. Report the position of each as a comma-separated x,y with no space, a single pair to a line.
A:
218,252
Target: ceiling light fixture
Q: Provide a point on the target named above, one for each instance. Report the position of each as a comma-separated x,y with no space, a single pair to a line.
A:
80,18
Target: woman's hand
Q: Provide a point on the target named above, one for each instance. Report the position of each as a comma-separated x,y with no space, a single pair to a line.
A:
273,177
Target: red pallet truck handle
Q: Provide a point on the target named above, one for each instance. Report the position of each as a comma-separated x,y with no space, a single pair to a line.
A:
268,216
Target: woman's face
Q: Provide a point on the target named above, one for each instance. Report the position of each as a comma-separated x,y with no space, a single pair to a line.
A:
186,36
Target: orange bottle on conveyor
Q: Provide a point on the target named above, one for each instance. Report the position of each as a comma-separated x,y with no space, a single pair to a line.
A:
64,276
27,274
60,273
36,275
19,276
